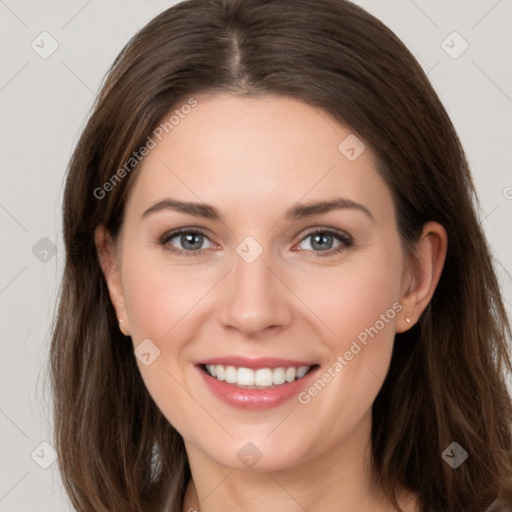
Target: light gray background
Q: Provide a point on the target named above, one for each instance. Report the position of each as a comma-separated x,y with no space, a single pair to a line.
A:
44,104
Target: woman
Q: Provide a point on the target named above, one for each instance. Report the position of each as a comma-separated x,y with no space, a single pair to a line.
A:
277,294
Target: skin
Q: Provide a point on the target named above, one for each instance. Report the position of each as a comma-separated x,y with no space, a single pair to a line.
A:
253,159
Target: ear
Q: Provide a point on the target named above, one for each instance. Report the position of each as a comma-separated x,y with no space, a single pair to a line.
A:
423,273
110,266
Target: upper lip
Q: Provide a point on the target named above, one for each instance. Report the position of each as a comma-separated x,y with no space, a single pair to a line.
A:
254,363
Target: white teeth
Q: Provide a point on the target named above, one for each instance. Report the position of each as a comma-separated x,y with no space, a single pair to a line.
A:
279,376
302,371
245,377
263,377
230,375
220,372
290,374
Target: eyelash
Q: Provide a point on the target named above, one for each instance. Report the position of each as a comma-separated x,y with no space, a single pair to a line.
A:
346,240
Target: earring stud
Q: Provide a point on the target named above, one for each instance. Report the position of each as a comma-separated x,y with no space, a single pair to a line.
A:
407,319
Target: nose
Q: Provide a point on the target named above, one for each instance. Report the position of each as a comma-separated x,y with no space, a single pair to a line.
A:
257,300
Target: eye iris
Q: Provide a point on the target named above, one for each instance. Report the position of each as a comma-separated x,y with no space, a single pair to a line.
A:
189,238
320,240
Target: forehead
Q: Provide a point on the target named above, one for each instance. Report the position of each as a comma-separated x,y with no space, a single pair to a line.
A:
258,154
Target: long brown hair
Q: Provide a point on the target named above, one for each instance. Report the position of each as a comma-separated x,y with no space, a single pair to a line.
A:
447,379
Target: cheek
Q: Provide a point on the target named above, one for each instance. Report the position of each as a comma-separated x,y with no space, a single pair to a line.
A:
338,306
343,302
159,296
358,305
360,294
163,302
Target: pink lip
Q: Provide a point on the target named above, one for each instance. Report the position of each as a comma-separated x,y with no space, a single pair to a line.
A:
256,399
255,363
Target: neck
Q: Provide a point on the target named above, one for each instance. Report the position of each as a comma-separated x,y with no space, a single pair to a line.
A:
340,479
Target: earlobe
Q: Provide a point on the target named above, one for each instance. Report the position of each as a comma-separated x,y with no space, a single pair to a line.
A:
425,269
123,328
109,265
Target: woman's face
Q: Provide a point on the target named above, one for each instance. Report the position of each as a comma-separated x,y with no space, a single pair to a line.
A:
289,261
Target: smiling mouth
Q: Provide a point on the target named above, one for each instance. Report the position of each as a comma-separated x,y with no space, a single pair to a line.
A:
261,378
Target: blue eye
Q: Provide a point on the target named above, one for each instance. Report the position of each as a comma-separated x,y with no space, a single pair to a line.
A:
192,240
322,239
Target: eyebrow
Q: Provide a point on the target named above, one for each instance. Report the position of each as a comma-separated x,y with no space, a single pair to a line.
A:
297,212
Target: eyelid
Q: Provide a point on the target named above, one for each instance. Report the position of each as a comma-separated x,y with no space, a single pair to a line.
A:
325,229
345,239
169,235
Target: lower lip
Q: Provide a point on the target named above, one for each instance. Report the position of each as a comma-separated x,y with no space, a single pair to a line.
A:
255,399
